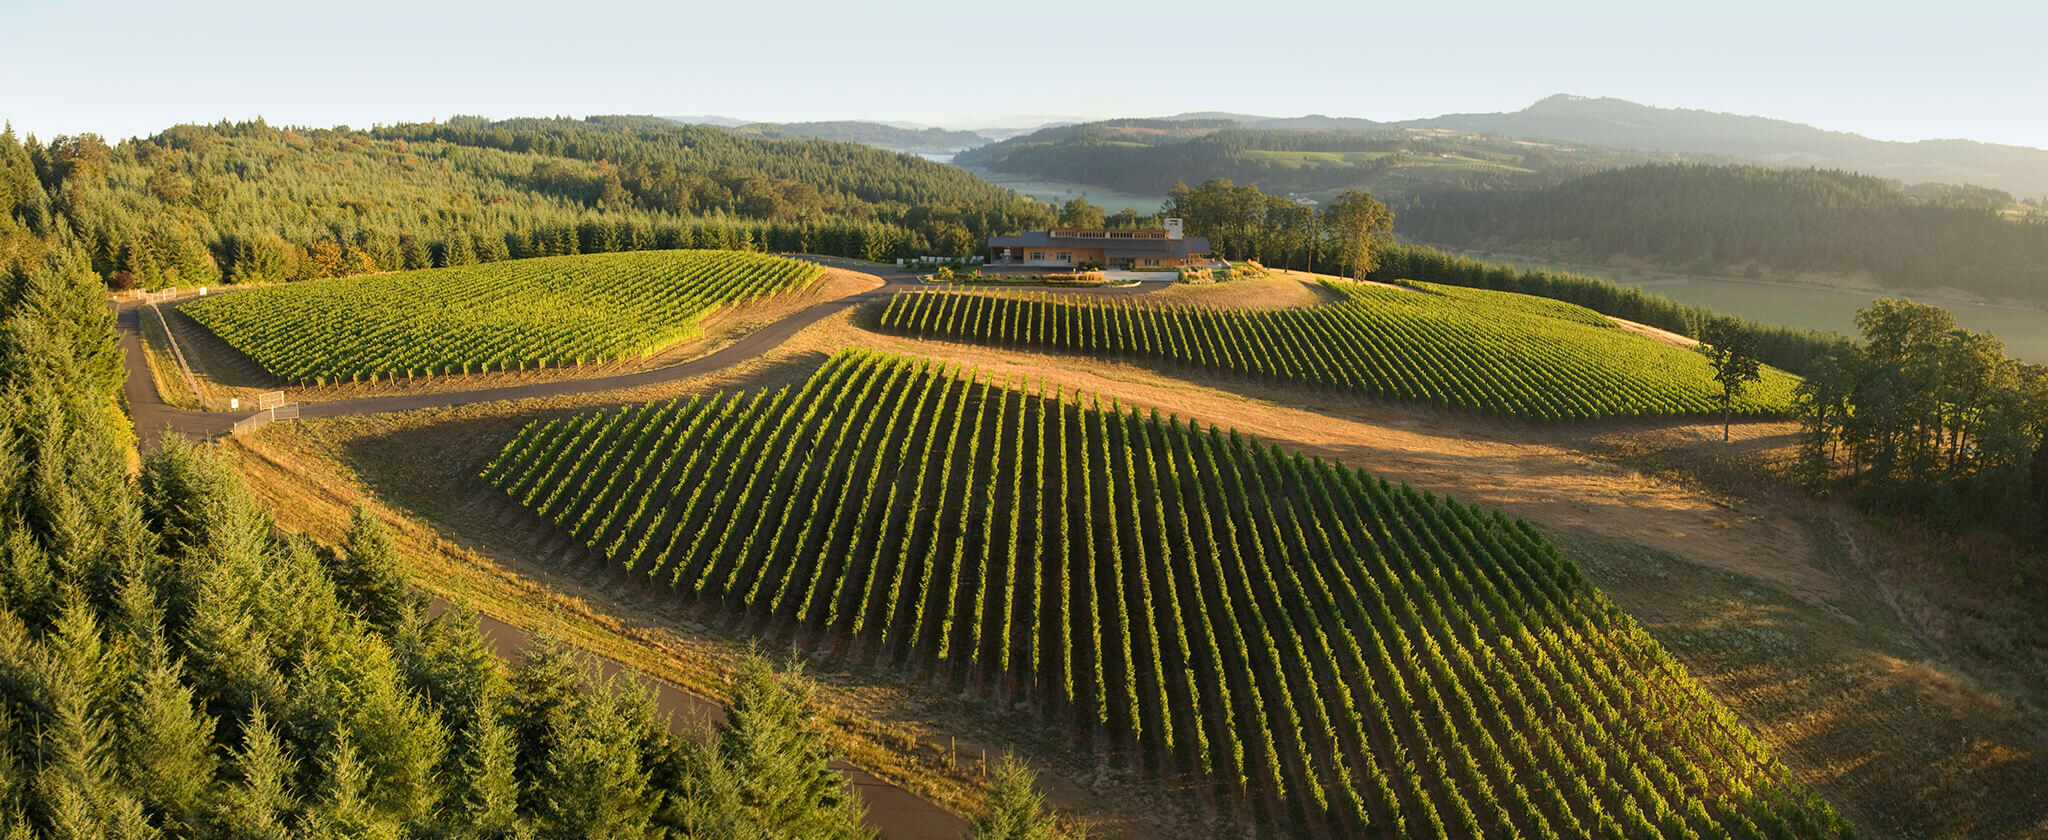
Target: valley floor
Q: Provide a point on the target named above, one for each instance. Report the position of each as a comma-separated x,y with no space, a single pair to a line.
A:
1877,664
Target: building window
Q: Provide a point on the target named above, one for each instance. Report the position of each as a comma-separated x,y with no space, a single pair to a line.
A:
1065,256
1037,255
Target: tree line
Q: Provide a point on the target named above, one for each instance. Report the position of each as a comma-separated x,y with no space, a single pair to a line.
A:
171,665
1756,220
1791,349
249,202
1242,222
1930,420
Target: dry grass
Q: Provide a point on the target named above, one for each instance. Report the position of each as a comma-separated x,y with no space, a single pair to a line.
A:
1282,290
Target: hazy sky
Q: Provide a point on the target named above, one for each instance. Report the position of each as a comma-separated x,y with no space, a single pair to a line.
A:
1887,70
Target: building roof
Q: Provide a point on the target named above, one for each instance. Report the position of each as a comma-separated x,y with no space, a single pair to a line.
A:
1112,248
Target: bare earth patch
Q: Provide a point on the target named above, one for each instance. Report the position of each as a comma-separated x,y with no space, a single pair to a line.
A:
1289,290
1655,333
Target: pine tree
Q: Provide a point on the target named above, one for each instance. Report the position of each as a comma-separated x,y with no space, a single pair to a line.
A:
1013,809
769,773
489,801
368,573
167,746
262,805
343,809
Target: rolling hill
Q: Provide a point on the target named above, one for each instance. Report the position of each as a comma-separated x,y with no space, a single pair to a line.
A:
1317,649
1621,124
928,141
1767,222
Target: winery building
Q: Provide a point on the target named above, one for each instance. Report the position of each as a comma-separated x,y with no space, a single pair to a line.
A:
1111,248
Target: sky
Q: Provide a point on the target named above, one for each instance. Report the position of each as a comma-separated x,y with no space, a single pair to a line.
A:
125,68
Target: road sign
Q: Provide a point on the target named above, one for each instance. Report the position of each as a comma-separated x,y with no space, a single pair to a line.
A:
269,400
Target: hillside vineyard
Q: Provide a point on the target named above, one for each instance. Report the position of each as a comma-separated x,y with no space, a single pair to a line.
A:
1329,650
538,313
1498,353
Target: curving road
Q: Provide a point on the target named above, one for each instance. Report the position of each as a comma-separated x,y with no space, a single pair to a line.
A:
895,813
151,413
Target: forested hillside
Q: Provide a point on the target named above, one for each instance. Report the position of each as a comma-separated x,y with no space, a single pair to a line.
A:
1779,221
248,201
1618,123
1149,156
878,135
171,666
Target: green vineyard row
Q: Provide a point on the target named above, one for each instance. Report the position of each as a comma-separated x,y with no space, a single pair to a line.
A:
535,313
1333,652
1493,352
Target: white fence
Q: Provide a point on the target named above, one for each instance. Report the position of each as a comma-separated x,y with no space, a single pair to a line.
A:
266,416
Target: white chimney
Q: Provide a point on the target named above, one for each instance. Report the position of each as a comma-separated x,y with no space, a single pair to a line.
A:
1173,229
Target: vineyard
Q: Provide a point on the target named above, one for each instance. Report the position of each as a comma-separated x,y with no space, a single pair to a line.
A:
1332,653
1493,352
518,315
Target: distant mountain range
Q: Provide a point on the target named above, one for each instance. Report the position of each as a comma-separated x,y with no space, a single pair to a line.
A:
1603,122
893,136
927,141
1621,124
1617,123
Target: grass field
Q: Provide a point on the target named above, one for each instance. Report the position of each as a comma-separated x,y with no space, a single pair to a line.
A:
550,312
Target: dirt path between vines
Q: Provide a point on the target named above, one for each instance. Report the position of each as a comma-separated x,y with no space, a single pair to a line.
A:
1543,473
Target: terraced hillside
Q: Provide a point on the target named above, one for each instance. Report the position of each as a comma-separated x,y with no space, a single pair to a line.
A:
1495,352
1330,652
535,313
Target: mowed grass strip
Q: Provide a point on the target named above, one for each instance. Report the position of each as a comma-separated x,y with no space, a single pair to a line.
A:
515,315
1331,652
1493,352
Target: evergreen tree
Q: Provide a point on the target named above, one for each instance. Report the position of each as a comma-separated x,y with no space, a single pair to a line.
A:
767,773
167,746
262,805
343,809
370,572
1013,809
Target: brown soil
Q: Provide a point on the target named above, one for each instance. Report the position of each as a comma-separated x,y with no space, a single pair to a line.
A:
224,372
1289,290
1655,333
